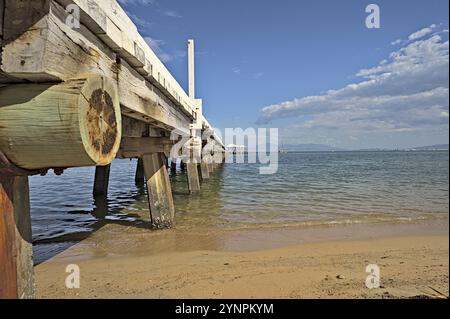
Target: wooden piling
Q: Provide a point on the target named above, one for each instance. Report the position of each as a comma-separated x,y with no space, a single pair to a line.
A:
193,178
183,166
173,165
139,177
101,181
16,253
211,167
101,208
204,170
162,210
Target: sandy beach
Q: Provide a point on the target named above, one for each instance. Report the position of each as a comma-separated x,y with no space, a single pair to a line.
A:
329,262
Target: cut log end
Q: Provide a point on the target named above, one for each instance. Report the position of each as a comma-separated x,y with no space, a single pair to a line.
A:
101,120
82,123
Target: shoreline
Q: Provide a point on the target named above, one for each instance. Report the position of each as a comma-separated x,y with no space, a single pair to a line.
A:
325,262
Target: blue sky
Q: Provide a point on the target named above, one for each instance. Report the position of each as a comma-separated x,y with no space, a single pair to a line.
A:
274,64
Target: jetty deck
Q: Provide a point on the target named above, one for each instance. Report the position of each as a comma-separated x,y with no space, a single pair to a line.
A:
79,86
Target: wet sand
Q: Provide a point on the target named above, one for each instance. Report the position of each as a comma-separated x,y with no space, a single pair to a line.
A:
311,262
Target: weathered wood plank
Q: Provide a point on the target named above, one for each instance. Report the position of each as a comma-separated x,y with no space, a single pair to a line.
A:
162,209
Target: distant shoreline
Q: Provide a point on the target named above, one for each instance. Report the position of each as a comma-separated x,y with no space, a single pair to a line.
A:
361,151
314,148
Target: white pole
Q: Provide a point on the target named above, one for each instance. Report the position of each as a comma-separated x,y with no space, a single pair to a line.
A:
191,68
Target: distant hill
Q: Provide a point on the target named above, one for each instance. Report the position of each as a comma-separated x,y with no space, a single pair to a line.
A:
309,148
438,147
373,150
328,148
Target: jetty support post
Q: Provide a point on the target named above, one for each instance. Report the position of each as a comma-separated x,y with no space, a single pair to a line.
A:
173,165
193,177
101,181
183,166
211,164
204,170
151,152
193,162
224,156
16,251
139,177
162,209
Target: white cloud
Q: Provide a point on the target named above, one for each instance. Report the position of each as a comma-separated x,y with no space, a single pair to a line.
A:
170,13
258,75
407,93
141,23
158,47
421,33
135,2
157,5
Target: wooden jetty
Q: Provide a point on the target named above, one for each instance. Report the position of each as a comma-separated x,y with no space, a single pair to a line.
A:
79,86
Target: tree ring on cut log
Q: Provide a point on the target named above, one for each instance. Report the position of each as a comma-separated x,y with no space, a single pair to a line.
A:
100,120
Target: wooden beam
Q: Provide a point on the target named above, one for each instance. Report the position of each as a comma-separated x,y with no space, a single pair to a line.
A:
119,32
16,261
162,209
71,124
19,16
101,181
134,128
132,147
